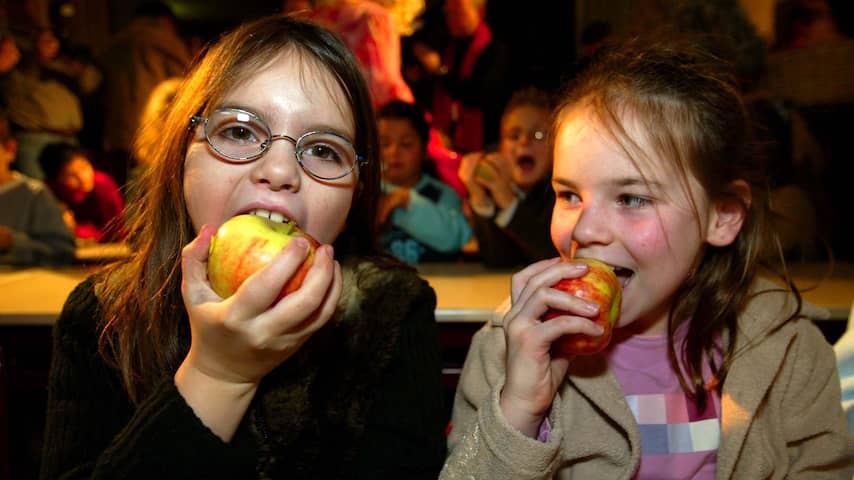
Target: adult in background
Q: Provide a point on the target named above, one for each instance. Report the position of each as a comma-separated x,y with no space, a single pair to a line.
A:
369,31
471,77
140,56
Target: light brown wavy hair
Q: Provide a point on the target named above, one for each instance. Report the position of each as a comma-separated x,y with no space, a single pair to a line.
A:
145,334
688,104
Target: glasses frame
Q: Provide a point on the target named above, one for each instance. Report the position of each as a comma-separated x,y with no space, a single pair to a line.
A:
197,120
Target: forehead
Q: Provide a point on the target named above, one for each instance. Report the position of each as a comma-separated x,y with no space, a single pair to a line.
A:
293,87
525,115
622,149
397,125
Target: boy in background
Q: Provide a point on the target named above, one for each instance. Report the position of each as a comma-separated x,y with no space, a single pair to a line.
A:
32,231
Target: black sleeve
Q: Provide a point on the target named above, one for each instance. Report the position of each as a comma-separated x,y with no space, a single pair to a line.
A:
525,240
405,433
92,429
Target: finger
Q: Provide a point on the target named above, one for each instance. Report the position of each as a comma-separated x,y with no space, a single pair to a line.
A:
300,306
520,279
194,259
568,324
330,302
263,287
550,276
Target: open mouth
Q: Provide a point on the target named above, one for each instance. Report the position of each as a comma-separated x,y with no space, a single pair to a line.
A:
272,216
526,162
624,275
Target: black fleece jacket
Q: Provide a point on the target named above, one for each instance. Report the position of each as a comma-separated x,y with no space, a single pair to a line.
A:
362,399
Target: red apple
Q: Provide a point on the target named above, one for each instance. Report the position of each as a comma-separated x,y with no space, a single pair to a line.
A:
246,243
599,285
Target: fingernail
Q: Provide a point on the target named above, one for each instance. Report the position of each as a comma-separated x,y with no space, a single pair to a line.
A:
330,251
591,307
301,243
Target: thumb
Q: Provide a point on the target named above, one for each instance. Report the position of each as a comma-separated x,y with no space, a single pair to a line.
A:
194,261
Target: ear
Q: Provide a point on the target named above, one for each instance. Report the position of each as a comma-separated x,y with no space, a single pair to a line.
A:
728,214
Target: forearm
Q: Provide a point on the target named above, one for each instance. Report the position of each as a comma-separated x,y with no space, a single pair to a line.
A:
439,226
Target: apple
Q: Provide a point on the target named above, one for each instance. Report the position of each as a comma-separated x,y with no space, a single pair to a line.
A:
599,285
246,243
482,171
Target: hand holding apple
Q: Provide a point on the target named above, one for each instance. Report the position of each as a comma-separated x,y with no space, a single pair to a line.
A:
246,243
599,285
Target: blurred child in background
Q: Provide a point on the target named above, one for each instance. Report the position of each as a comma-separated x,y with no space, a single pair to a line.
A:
509,190
423,217
91,197
31,228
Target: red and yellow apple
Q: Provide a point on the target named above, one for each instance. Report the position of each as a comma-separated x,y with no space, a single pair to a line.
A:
599,285
246,243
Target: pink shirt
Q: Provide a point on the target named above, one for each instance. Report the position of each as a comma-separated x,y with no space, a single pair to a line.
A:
677,440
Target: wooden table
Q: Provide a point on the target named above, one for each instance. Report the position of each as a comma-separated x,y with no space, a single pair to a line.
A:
470,293
465,292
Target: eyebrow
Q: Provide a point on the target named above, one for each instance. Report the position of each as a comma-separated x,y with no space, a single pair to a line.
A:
617,182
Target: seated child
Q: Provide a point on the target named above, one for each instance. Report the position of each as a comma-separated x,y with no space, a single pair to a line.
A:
422,217
31,228
509,190
91,196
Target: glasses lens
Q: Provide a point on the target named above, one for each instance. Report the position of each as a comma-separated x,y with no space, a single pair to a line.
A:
237,134
326,155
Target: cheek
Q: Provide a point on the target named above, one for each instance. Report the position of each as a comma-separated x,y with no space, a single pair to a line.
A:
327,218
205,194
562,226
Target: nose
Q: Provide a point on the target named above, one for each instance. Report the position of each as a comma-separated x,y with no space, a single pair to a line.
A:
278,168
593,226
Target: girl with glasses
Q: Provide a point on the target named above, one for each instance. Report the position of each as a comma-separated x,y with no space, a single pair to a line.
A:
154,374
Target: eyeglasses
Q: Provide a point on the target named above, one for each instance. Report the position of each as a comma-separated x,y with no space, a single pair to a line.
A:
242,137
518,134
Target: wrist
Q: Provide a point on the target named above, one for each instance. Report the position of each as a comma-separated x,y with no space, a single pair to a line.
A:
219,403
520,418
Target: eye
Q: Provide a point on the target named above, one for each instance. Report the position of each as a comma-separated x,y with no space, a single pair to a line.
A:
634,201
568,196
241,133
323,151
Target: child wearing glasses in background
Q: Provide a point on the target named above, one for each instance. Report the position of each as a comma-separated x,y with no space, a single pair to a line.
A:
422,217
712,372
509,189
154,375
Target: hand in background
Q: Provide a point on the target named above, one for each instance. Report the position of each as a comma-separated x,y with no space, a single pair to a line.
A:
534,375
487,177
5,238
397,198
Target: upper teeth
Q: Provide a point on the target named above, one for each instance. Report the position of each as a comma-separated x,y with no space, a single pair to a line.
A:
274,216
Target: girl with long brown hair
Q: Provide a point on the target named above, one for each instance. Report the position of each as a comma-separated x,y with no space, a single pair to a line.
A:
154,375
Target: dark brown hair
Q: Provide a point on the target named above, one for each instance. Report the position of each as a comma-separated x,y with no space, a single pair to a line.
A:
688,104
146,333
